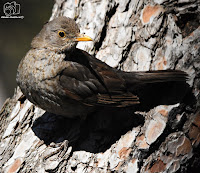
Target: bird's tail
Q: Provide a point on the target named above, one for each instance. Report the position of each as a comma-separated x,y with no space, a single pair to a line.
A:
161,87
157,76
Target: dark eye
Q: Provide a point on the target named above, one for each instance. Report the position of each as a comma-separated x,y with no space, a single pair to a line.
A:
62,34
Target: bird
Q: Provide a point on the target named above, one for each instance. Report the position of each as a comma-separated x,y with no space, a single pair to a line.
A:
64,80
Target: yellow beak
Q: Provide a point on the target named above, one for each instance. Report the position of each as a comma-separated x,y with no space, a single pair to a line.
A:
83,37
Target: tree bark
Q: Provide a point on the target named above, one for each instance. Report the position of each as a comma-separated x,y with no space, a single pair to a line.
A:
130,35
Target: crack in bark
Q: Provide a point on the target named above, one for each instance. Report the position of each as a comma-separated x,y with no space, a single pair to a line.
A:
127,6
125,55
109,15
188,22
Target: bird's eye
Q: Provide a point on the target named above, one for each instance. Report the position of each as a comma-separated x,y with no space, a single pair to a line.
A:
62,34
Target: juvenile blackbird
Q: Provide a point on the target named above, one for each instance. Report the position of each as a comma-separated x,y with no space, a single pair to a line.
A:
64,80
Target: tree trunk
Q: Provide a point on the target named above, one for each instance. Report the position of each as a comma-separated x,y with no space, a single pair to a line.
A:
130,35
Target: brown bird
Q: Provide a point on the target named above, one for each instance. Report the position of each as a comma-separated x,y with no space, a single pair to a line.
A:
64,80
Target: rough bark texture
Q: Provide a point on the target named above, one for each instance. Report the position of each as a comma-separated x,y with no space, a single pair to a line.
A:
129,35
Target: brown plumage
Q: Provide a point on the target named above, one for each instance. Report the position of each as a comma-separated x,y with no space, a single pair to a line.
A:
64,80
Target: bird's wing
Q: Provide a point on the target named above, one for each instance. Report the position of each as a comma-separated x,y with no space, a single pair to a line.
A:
92,82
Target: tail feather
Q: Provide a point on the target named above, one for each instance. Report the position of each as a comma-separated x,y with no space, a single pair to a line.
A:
157,87
162,76
155,76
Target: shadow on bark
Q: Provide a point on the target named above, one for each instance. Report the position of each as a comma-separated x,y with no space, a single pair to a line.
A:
94,134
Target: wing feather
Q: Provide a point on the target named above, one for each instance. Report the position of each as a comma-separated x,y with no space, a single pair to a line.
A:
92,82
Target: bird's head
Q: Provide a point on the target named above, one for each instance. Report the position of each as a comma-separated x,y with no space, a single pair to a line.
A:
60,34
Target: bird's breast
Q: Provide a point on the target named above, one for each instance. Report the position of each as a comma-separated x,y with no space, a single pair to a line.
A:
40,70
38,77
